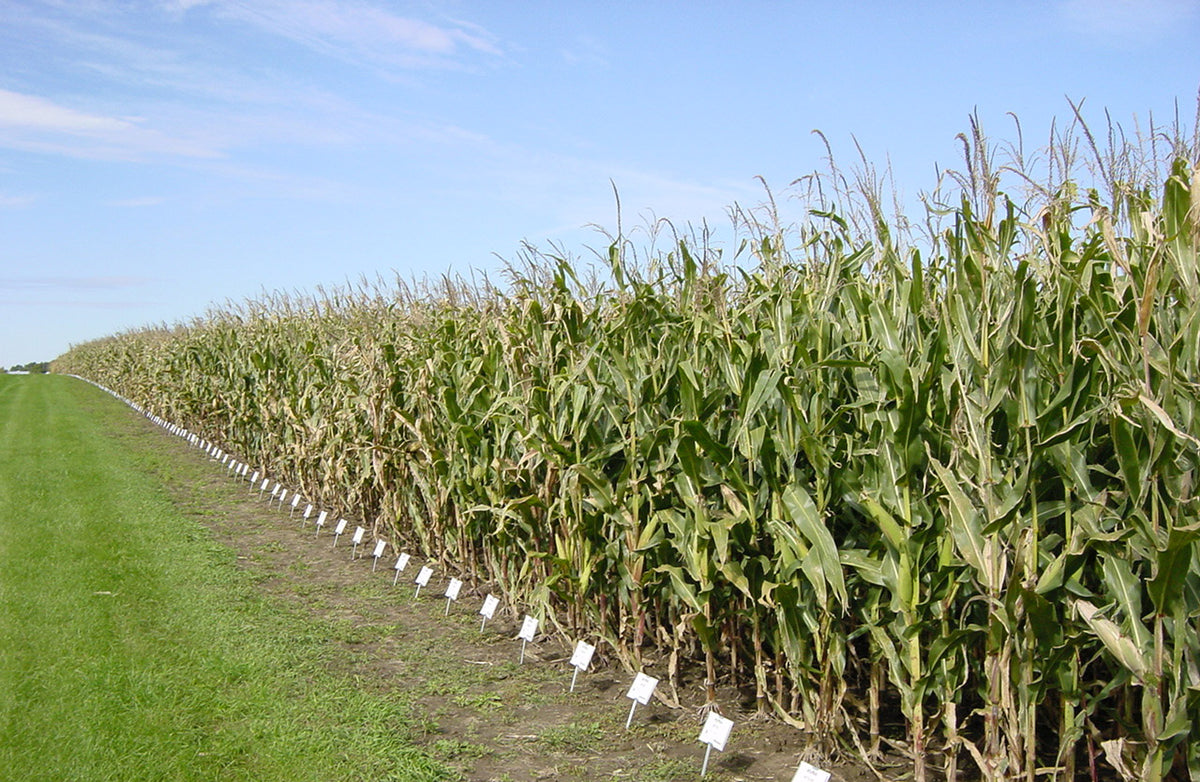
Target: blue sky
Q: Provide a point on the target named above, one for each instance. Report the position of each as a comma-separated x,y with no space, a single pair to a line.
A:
159,158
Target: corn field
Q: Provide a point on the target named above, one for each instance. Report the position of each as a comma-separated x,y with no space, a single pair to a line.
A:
931,498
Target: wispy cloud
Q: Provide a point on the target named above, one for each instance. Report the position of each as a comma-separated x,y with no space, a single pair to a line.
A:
78,304
586,50
1130,22
34,123
357,31
15,201
574,192
142,95
32,112
72,283
133,203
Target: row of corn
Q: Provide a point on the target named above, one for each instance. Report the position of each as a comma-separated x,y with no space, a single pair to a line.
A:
716,728
934,500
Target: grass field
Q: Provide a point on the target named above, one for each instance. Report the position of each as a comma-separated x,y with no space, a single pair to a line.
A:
132,646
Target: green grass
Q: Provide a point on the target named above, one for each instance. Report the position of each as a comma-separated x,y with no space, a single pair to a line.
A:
575,737
131,646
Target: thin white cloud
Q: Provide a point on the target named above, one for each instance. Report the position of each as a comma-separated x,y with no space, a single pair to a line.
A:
137,202
15,201
73,283
574,192
34,123
357,31
73,304
1130,22
587,50
32,112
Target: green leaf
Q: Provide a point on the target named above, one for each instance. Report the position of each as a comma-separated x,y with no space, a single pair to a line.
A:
891,530
1129,456
734,575
802,514
1164,419
681,588
1119,645
1172,567
1125,587
966,529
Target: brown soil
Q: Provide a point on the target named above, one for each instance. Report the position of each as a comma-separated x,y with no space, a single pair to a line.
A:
480,710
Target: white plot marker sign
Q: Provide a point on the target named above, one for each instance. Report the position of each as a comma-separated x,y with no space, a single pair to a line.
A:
337,531
581,659
640,691
380,547
810,773
401,563
489,609
295,503
714,733
358,539
253,480
321,520
452,593
528,631
308,509
423,576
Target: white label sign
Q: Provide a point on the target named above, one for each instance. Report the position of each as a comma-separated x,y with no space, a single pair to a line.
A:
454,588
528,629
341,527
716,731
401,563
274,489
808,773
490,604
380,547
322,517
296,501
583,655
642,689
358,535
254,477
307,511
424,575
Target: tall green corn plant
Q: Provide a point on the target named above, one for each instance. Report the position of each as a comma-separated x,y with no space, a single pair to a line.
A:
1157,450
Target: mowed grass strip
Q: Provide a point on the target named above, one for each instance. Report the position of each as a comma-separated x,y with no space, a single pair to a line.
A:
131,645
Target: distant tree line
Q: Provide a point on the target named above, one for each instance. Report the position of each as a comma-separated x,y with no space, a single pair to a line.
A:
35,367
